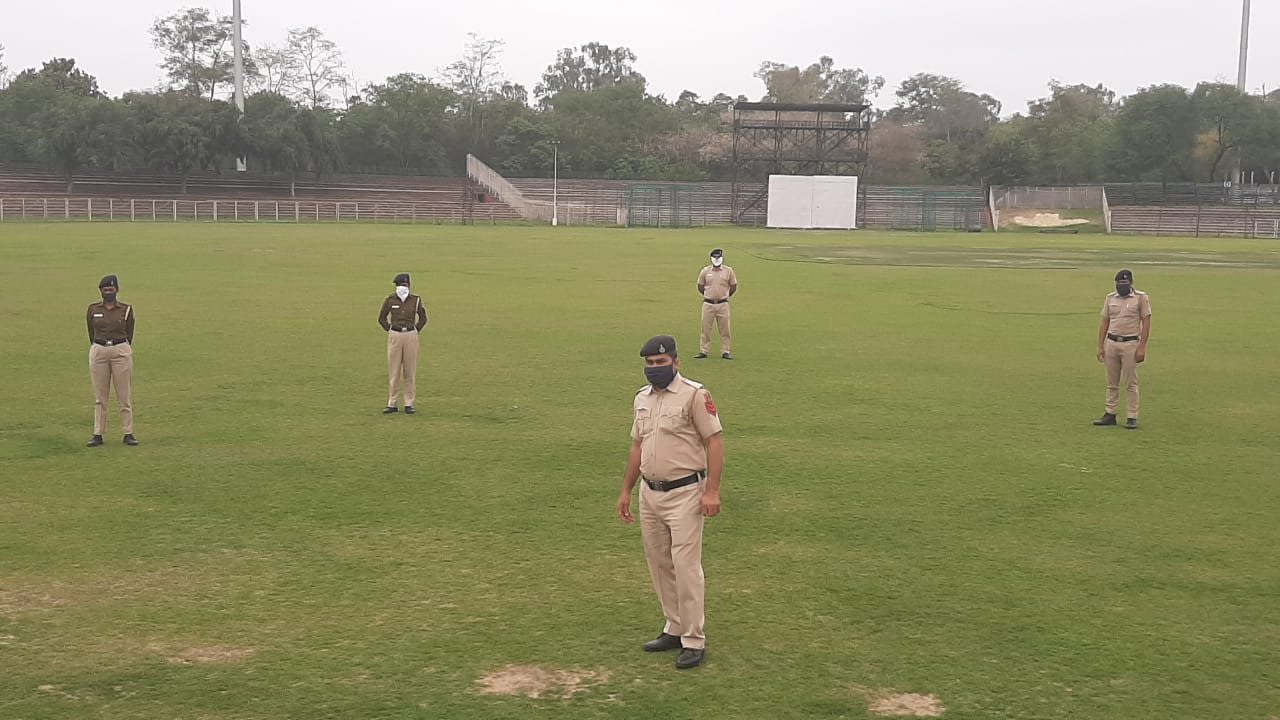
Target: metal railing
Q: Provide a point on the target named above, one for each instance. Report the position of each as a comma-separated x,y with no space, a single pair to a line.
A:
1046,197
506,192
38,209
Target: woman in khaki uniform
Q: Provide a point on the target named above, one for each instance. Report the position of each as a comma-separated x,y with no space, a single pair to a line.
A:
111,326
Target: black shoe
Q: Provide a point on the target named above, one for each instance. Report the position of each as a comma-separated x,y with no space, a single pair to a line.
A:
699,356
94,441
690,658
727,356
390,409
662,643
408,410
1131,424
130,439
1106,419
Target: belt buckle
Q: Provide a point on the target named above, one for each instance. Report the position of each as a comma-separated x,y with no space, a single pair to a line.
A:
110,343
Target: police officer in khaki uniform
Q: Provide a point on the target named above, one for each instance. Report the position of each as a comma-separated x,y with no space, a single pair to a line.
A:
111,325
1122,345
716,284
676,451
402,317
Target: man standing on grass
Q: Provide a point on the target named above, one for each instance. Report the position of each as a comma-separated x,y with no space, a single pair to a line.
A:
676,450
111,325
1122,345
716,284
402,317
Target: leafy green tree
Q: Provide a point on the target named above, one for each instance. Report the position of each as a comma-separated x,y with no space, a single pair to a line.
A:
402,125
820,82
197,50
1156,135
1072,129
167,133
604,132
1008,155
78,132
274,135
1230,121
589,67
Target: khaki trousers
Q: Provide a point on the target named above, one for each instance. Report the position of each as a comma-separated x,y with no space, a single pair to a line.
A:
402,366
715,315
671,525
1121,359
108,366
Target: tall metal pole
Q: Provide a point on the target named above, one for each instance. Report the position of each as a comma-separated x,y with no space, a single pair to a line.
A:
1241,80
238,79
555,182
1244,48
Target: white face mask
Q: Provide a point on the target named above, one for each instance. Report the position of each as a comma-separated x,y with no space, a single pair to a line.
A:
402,292
717,261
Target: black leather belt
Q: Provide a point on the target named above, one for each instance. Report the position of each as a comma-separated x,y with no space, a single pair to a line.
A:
403,329
1123,338
715,302
110,343
669,485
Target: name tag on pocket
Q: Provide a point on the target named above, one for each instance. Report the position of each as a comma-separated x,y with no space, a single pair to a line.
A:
395,307
98,315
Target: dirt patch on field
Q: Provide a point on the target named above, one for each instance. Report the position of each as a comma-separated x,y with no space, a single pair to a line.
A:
890,703
208,654
535,682
19,602
1040,219
906,705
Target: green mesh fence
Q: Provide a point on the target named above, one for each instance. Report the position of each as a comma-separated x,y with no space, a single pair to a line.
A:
666,205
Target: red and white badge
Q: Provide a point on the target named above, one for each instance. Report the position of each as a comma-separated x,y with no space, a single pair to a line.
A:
711,405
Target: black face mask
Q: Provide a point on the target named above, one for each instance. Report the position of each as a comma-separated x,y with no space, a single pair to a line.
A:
660,376
108,296
1124,290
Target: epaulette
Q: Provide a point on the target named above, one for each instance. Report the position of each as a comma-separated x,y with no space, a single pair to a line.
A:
691,383
646,387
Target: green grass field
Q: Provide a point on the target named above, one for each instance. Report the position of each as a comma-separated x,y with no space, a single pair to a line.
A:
914,500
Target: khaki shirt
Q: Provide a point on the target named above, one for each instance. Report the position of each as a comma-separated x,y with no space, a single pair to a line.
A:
715,281
673,426
110,324
410,313
1126,314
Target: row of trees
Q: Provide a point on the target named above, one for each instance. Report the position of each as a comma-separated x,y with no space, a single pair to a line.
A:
306,115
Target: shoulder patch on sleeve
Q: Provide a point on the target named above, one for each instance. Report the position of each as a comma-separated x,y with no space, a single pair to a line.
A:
691,383
710,404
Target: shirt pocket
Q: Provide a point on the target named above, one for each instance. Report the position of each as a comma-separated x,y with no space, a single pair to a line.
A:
644,422
673,419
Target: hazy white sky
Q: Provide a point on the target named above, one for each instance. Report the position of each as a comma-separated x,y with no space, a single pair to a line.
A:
1008,48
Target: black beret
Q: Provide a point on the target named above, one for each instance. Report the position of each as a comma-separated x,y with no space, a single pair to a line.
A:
109,281
659,345
717,253
1124,275
402,279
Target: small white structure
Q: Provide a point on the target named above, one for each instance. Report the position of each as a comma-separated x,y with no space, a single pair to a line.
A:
813,201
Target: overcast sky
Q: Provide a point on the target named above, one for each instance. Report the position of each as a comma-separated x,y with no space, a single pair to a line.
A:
1008,48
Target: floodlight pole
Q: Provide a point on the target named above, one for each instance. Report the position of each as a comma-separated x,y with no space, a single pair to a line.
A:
555,183
238,79
1244,47
1242,79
